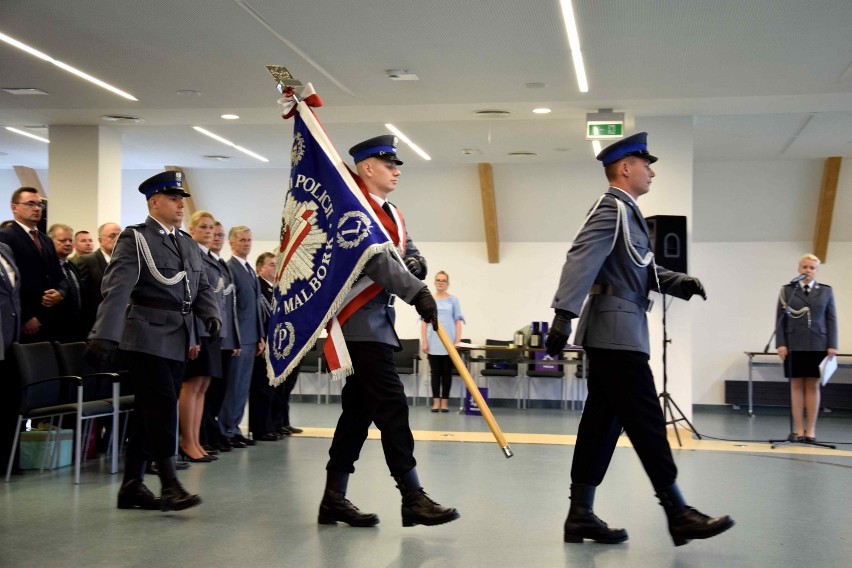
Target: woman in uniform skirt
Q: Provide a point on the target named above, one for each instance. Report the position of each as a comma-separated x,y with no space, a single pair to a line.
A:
205,358
806,333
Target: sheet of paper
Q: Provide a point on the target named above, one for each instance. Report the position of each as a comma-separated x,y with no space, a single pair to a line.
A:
827,368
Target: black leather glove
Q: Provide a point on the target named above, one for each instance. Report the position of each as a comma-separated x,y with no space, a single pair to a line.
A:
213,327
416,265
425,305
557,335
692,286
100,352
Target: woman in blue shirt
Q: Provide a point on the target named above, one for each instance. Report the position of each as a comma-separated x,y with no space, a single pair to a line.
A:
451,318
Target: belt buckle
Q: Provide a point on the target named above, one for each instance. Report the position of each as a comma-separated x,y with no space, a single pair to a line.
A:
650,305
391,300
185,307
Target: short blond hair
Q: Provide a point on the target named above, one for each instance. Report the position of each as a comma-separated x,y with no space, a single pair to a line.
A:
197,216
810,256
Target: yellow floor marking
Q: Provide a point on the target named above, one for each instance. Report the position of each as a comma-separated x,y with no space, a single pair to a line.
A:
569,440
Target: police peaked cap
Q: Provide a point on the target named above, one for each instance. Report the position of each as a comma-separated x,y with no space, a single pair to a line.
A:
383,147
164,182
635,145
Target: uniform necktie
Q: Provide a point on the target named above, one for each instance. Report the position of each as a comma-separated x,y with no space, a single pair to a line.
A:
807,290
73,285
177,248
387,209
34,235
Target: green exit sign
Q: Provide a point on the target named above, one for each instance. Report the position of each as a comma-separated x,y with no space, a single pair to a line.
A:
604,130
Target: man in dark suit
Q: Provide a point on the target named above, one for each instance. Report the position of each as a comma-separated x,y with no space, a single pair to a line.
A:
152,287
43,286
10,328
66,318
252,337
269,406
91,268
374,392
83,244
610,260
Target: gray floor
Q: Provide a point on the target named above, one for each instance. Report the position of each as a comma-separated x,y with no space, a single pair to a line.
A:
261,503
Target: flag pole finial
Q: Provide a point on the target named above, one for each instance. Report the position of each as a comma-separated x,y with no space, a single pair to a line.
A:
284,81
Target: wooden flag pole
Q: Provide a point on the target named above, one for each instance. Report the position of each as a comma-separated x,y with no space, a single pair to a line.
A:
474,391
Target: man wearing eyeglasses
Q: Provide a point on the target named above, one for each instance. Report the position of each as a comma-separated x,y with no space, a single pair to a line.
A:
43,285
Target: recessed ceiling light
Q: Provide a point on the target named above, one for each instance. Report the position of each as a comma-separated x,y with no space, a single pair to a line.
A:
401,75
121,118
561,149
24,91
230,116
470,151
523,154
408,141
217,157
535,85
188,93
492,113
541,110
64,66
227,142
28,134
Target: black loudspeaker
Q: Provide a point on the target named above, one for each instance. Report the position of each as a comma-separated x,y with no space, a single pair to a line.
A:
668,241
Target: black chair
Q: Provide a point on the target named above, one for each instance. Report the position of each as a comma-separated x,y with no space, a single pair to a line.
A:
406,362
98,386
45,394
533,373
501,363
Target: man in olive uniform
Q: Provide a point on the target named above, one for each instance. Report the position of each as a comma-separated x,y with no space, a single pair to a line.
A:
152,287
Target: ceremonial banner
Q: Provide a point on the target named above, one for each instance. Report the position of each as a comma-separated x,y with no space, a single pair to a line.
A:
329,230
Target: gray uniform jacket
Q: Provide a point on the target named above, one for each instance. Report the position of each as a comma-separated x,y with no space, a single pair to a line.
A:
610,321
10,301
375,320
219,277
129,284
815,330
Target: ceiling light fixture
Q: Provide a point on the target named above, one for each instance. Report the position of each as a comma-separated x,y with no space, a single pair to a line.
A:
574,43
28,134
189,93
122,118
408,141
542,110
596,147
227,142
230,116
73,70
24,91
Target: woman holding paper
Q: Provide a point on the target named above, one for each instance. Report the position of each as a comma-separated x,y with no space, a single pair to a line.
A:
805,335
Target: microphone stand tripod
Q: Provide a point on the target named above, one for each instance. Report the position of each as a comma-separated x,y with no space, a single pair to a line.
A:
668,403
785,314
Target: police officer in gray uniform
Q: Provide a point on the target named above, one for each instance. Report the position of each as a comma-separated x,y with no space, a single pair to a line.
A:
152,287
374,392
610,260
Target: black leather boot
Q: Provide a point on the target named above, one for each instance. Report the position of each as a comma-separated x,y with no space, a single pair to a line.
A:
335,507
133,493
417,507
173,497
687,523
583,523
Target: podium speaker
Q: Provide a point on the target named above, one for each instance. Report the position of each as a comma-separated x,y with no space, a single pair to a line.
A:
668,241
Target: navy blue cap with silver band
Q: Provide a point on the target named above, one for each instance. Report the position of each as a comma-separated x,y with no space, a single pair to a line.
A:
164,182
635,145
383,147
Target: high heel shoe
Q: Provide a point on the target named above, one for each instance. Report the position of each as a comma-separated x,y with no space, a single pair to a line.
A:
189,458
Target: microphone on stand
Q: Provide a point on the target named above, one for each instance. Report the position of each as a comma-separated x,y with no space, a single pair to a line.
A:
798,278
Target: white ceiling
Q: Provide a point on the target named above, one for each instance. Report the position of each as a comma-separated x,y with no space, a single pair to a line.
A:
751,72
